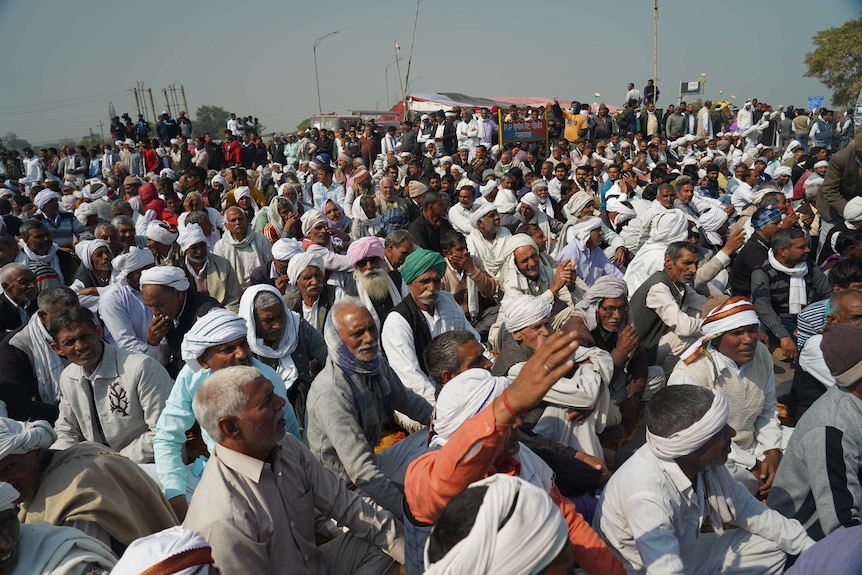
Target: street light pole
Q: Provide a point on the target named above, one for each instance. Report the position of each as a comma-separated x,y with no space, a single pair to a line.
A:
387,81
316,77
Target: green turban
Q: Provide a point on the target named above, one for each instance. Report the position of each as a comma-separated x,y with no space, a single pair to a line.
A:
419,262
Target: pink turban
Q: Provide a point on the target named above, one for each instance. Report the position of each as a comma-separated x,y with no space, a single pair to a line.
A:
364,248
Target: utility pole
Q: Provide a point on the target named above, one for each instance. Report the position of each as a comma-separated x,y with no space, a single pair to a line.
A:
167,102
316,76
152,104
410,57
185,104
655,44
102,130
137,103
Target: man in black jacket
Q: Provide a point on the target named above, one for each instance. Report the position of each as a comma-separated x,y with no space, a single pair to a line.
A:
19,294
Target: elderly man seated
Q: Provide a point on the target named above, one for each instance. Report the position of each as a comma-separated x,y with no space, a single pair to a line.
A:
107,395
490,241
122,309
175,306
427,312
262,490
51,265
349,402
212,274
275,272
46,548
94,273
602,319
475,436
216,341
29,368
18,300
318,241
166,551
584,390
379,291
162,241
525,273
514,527
818,482
585,252
243,248
653,508
86,486
666,308
730,358
312,298
284,341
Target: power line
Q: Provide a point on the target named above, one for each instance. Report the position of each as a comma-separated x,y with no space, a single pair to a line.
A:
50,106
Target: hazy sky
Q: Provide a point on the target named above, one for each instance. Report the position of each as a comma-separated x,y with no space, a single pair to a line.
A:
63,61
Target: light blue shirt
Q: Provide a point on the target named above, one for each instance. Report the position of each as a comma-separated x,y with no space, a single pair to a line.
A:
321,193
178,416
126,318
591,264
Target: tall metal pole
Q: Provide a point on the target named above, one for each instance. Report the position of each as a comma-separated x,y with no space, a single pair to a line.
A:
655,44
410,57
388,107
400,84
152,104
316,76
185,104
167,103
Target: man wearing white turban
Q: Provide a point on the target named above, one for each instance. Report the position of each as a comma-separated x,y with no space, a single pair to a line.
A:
175,550
516,529
652,509
47,549
584,251
243,248
669,227
731,359
212,274
585,389
161,239
123,311
85,486
312,298
275,273
107,395
94,273
488,242
216,341
317,240
474,431
176,307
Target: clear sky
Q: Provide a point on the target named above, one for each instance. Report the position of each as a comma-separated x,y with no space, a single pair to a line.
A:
254,57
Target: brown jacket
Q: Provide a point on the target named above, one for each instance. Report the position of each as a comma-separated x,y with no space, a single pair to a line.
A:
843,181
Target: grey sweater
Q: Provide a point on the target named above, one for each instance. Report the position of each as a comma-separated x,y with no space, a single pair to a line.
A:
818,480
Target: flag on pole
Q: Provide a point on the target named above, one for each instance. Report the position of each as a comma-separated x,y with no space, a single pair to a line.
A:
397,47
597,95
733,96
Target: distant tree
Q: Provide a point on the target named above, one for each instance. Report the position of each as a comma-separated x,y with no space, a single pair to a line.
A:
11,141
837,61
210,119
303,125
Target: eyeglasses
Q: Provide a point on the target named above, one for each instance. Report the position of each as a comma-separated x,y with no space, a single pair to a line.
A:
612,310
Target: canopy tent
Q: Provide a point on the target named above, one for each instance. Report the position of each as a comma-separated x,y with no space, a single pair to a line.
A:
432,102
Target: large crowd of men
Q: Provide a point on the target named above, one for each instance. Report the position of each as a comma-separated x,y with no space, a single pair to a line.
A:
413,347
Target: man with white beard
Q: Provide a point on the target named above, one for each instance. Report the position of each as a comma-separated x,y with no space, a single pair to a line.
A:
379,291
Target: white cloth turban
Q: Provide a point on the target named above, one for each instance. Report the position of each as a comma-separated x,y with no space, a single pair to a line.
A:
161,232
782,171
820,164
168,173
578,202
482,211
624,212
712,219
168,276
219,179
8,496
310,219
690,439
44,197
85,210
136,259
533,201
300,262
217,327
190,235
853,210
95,190
243,192
464,396
518,529
85,250
185,549
669,227
583,229
522,311
285,248
18,437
